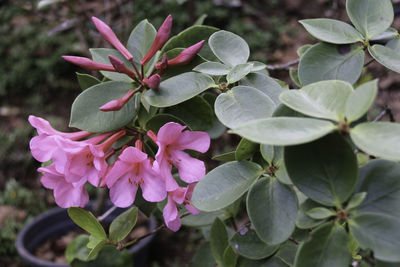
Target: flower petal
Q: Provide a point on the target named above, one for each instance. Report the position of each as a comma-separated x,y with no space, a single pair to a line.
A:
42,126
42,147
199,141
123,193
190,169
132,155
171,216
119,169
66,195
169,133
153,185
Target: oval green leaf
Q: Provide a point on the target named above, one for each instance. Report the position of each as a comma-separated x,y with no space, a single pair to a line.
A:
386,56
238,72
123,224
85,220
212,68
361,100
218,241
224,184
303,221
265,84
141,39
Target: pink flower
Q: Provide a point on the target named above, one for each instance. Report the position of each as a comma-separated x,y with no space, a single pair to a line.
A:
184,57
161,38
131,170
88,64
111,38
179,196
66,194
171,142
44,145
153,81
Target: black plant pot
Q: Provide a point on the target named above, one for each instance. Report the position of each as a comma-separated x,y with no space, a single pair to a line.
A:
55,223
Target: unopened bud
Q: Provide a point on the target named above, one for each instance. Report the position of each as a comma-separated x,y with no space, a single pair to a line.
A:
186,55
117,104
120,66
153,81
139,144
152,136
162,65
88,64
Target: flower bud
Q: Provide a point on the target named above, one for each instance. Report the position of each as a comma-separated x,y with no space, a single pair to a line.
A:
186,55
111,38
88,64
162,65
139,144
152,136
161,38
153,81
117,104
119,66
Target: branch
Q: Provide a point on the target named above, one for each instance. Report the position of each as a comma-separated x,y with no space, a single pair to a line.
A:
285,66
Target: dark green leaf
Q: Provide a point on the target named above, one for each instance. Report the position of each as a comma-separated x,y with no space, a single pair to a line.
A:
245,149
85,80
203,218
157,121
230,257
218,241
303,221
320,213
270,262
87,222
204,257
109,256
95,251
229,156
77,249
287,252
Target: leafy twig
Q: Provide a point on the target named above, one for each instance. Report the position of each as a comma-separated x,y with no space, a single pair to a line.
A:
285,66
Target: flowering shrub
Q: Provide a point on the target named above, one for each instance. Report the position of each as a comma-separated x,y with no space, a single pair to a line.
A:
310,199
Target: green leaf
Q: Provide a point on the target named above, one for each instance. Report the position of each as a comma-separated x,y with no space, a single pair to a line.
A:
101,55
386,264
265,84
389,34
200,20
141,39
320,213
218,241
95,251
93,241
394,43
274,220
173,71
238,72
268,152
123,224
85,220
370,17
327,248
195,112
379,139
283,131
379,233
245,149
294,76
257,66
203,218
327,178
109,256
332,31
157,121
326,61
241,105
178,89
270,262
361,100
85,113
190,36
204,257
229,156
380,180
212,68
325,99
287,252
230,257
77,249
302,49
249,245
386,56
303,221
356,200
85,80
224,184
230,48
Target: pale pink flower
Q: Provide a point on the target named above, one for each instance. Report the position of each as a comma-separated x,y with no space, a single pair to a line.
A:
171,141
131,170
179,196
66,194
44,145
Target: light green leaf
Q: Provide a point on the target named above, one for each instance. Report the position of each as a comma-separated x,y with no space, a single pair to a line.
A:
325,61
109,256
267,152
356,200
389,34
123,224
386,56
332,31
380,139
325,99
257,66
230,48
269,262
204,257
93,241
85,113
302,49
86,81
200,20
379,233
246,243
224,184
394,43
212,68
241,105
225,157
303,221
218,241
274,220
101,55
380,180
77,249
178,89
141,39
327,248
203,218
320,213
284,131
195,112
327,178
238,72
245,149
95,251
361,100
265,84
370,17
85,220
294,76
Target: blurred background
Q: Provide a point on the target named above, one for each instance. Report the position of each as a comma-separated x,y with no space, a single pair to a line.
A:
35,80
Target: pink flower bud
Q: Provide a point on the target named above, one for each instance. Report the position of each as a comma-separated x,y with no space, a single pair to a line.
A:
152,135
162,65
119,66
153,81
139,144
161,38
111,38
186,55
88,63
117,104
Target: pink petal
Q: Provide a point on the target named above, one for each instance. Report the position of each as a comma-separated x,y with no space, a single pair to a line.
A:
199,141
165,172
119,169
66,195
123,193
190,169
169,133
50,177
42,147
42,126
133,155
178,195
171,216
153,185
192,209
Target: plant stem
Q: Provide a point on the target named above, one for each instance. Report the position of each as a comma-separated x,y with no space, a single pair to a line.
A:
285,66
107,213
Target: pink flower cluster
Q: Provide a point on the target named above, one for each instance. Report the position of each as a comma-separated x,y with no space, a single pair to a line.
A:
81,157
